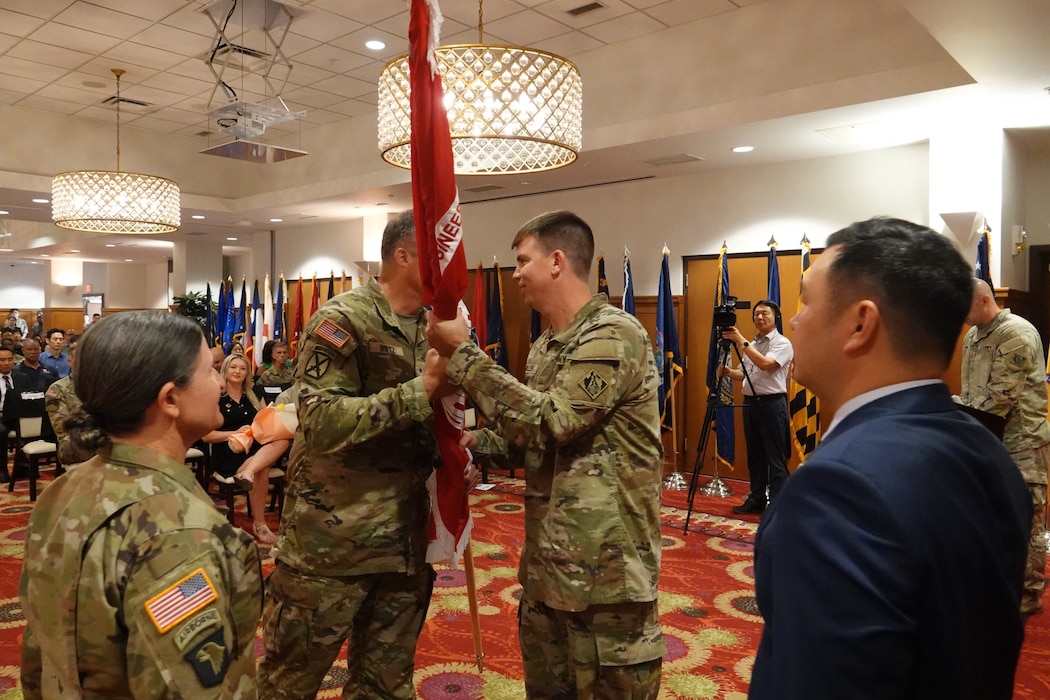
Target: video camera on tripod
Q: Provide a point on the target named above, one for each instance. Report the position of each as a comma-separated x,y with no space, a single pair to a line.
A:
725,313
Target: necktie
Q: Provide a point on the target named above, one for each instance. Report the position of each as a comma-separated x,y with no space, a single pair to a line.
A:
7,388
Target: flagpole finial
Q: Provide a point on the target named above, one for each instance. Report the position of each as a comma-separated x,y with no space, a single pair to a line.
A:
667,251
772,242
626,251
805,239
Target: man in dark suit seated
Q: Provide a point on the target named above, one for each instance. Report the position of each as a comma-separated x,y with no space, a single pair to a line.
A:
891,564
12,385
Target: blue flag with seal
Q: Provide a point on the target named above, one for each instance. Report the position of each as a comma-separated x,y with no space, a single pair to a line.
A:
773,281
983,269
603,281
496,342
725,430
668,355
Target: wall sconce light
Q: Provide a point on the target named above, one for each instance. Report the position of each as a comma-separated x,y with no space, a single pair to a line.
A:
1019,236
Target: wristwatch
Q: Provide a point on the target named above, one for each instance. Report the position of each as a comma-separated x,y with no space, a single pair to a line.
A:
746,343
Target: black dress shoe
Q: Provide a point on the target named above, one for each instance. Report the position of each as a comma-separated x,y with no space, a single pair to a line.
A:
750,505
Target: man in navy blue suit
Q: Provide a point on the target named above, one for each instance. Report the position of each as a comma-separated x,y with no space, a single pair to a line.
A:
891,564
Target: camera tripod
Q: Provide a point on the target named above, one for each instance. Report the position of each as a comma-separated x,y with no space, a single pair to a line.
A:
715,487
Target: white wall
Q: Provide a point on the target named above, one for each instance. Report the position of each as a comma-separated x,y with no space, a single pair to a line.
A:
22,288
693,214
1013,268
1037,202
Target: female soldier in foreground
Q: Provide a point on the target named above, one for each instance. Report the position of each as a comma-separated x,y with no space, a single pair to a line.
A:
133,584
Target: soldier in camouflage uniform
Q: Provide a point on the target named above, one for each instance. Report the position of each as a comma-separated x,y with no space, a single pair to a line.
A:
350,556
1004,372
280,370
133,585
585,426
61,401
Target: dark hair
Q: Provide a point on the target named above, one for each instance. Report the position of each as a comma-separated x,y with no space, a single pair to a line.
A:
917,277
267,353
773,306
564,231
53,331
398,229
123,361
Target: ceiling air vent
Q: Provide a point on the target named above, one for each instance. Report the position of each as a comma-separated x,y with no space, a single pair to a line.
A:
237,56
675,159
482,189
584,9
111,101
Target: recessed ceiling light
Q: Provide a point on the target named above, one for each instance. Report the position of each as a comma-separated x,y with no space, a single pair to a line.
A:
111,245
2,212
743,149
380,204
128,260
40,200
6,250
197,216
375,44
75,250
44,255
231,238
276,221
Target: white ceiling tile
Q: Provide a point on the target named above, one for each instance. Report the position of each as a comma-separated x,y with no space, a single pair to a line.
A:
19,24
295,44
48,54
177,84
322,116
623,28
323,26
365,11
152,123
25,86
99,19
145,56
102,85
193,68
678,12
154,10
150,95
559,10
101,114
331,58
184,117
195,105
49,104
466,11
9,65
345,87
38,8
309,98
569,44
355,41
643,4
352,108
7,41
76,95
527,27
369,73
9,97
73,38
161,36
303,74
191,19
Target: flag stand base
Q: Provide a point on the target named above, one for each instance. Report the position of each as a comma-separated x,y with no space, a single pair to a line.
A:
675,482
716,487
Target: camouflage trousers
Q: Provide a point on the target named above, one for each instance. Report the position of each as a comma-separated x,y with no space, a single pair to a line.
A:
1035,570
604,652
307,618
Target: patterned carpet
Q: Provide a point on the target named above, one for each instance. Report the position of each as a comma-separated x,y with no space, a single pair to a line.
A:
706,601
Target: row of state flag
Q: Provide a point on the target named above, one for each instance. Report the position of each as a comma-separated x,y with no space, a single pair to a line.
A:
259,317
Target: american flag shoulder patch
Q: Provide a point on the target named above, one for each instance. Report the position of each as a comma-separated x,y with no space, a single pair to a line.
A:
175,604
332,333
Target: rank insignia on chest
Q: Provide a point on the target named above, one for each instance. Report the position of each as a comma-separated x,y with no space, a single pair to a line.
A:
317,365
175,604
332,333
593,384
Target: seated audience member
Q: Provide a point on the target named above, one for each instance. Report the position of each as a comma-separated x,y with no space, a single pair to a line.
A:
53,357
217,356
280,372
38,326
61,401
238,405
19,322
39,376
12,384
133,584
267,358
236,349
17,340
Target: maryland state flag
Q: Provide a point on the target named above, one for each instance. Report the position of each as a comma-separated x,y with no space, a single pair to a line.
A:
717,355
442,266
668,356
804,407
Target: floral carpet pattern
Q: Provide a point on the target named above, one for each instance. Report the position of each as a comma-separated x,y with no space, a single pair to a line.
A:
707,605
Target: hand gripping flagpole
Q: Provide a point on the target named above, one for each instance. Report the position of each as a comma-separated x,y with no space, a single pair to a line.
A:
443,270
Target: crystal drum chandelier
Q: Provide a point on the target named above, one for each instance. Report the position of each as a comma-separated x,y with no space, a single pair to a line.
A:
510,109
104,201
